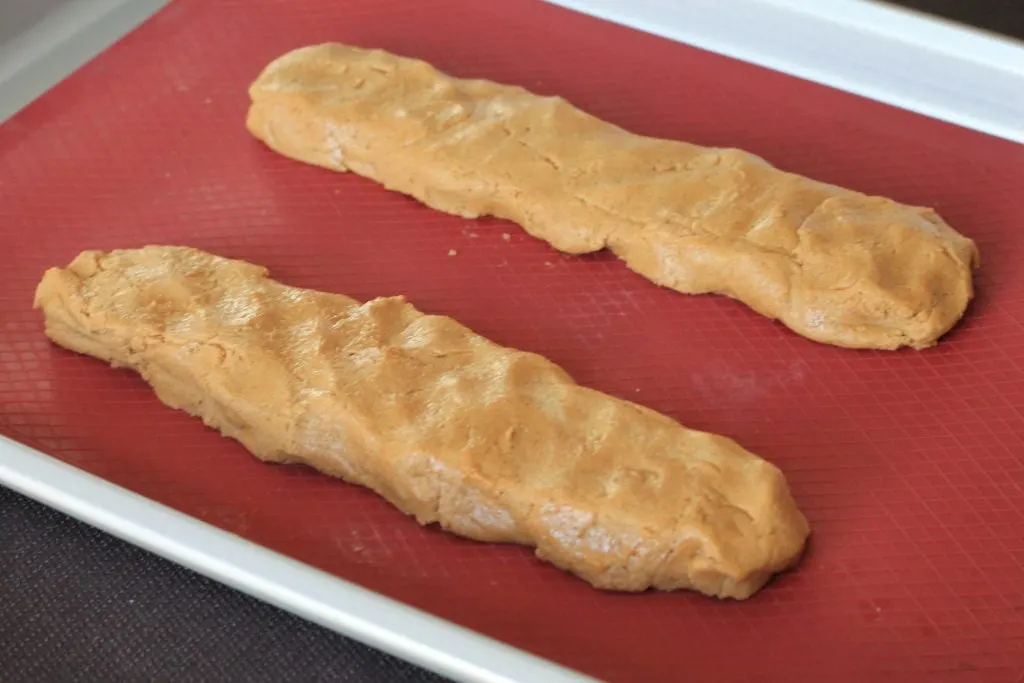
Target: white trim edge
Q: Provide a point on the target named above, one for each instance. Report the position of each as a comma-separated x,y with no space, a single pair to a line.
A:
925,65
68,37
339,605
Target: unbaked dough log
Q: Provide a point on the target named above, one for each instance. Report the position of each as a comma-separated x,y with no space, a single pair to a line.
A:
492,443
833,265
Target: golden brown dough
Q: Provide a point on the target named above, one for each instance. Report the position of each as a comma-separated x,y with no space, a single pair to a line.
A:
834,265
493,443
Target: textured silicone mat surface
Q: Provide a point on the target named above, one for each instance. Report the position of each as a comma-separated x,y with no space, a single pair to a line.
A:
909,465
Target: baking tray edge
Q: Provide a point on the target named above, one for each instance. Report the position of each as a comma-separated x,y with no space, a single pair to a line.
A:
67,37
339,605
912,61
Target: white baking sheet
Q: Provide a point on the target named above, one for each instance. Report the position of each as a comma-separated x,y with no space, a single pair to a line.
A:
909,60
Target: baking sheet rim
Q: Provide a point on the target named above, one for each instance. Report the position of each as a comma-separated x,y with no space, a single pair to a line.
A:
332,602
889,54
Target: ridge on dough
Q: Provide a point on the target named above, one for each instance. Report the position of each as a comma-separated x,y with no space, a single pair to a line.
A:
492,443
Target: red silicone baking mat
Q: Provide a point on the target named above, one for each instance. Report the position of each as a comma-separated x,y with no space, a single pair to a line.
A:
910,465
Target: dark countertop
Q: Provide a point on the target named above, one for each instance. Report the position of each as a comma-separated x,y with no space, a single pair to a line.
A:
998,16
78,605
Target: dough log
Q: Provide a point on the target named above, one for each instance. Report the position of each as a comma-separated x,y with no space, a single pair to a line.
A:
492,443
834,265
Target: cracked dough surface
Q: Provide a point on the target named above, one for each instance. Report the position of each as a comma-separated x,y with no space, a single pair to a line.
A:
834,265
492,443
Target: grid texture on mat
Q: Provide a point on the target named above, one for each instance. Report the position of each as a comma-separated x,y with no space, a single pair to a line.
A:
910,465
